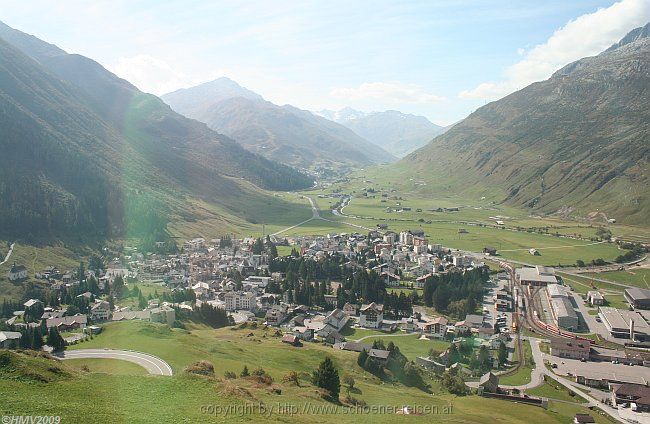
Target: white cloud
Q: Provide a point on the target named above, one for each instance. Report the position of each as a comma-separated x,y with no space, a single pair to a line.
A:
584,36
391,91
149,74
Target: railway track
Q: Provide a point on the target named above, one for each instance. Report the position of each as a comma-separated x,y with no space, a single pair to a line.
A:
527,317
521,358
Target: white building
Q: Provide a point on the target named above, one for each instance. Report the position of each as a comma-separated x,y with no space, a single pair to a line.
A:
17,272
371,316
237,300
100,311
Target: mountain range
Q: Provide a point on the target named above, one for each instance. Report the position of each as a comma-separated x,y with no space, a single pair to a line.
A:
282,133
86,151
398,133
576,143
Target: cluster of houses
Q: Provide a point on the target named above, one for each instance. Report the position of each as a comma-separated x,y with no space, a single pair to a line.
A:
205,266
100,311
395,256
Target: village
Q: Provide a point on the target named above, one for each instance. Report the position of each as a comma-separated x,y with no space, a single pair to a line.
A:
329,287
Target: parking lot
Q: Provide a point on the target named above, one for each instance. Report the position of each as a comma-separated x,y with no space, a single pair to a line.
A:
490,314
600,370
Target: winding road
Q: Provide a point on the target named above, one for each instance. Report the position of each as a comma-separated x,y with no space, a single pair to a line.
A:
11,249
152,364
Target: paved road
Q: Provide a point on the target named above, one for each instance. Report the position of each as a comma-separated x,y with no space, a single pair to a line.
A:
152,364
576,388
374,336
590,320
11,249
316,215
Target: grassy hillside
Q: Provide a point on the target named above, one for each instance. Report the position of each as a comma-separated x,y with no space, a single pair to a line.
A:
375,189
575,144
181,397
86,152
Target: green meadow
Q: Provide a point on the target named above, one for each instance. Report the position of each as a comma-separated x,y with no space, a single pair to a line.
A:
34,386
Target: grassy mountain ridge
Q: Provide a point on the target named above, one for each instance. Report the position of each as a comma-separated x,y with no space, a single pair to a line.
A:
575,143
282,133
86,151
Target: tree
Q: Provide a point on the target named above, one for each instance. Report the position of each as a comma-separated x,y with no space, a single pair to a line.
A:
55,340
244,372
485,361
503,353
258,247
118,287
453,354
348,380
453,383
580,263
142,302
361,359
273,251
411,375
327,377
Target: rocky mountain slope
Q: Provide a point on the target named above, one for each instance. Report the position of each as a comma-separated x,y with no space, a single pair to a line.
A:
398,133
577,142
283,133
85,151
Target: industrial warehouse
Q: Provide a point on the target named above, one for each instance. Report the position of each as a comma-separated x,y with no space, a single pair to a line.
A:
538,276
626,324
564,315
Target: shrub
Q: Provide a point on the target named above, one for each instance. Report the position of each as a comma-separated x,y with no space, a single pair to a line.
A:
200,368
291,377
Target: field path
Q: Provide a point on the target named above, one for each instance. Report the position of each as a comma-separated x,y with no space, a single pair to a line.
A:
11,249
316,216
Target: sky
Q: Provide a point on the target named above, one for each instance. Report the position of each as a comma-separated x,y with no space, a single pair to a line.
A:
439,59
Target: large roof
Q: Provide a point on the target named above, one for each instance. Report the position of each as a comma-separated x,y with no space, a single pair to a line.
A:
619,319
532,274
638,294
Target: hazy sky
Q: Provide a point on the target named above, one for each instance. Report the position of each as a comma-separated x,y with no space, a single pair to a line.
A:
440,59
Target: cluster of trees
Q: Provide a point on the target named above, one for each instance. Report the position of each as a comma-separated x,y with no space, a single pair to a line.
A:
636,251
176,296
456,293
481,361
330,268
398,305
307,282
33,338
265,246
34,312
307,293
397,366
453,382
205,314
8,308
258,374
596,262
362,285
603,233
